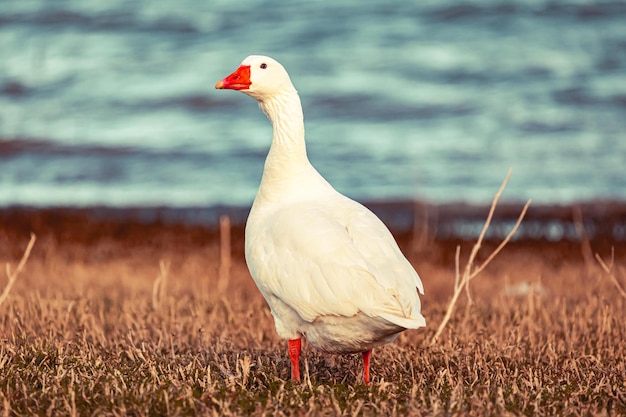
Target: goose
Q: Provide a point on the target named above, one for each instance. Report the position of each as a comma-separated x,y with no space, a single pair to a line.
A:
329,269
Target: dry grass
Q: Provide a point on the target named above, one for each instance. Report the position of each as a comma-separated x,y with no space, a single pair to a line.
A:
136,323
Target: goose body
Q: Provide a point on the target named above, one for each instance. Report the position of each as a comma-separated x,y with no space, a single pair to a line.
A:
328,268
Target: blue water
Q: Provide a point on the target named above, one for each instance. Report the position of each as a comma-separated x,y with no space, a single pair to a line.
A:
114,102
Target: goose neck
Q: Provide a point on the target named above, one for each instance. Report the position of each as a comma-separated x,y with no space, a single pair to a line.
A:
287,164
284,111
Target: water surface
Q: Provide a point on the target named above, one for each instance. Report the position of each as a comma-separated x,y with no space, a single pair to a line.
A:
113,102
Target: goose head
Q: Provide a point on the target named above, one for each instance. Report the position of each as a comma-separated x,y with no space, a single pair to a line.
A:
258,76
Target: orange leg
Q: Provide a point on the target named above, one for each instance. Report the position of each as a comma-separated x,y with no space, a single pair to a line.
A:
294,354
366,365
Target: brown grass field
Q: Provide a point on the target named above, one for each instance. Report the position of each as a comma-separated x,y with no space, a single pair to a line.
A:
122,318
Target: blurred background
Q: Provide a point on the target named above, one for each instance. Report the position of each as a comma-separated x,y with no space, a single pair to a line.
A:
113,103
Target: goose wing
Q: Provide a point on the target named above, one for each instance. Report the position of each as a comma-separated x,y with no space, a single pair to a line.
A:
334,262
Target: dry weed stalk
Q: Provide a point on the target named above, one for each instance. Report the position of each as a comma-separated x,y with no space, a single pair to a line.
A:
422,235
609,271
13,275
585,245
462,282
225,253
158,287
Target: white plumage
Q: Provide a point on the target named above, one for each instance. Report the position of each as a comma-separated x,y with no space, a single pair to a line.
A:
328,268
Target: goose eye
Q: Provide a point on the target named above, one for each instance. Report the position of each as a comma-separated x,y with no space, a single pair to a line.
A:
263,66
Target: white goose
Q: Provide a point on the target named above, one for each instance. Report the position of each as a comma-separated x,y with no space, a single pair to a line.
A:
329,269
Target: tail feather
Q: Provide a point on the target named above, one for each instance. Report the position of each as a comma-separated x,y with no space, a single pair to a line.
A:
406,322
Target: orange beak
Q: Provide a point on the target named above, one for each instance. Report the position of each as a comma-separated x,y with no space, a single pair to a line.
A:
238,80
